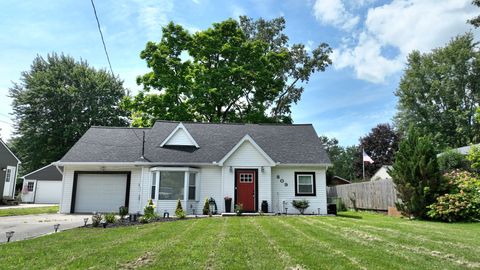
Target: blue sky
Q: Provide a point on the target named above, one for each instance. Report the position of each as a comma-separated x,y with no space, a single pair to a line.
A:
370,38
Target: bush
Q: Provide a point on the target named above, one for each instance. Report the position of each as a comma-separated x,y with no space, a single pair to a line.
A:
110,218
206,207
301,205
179,210
474,158
452,160
416,175
239,209
462,203
122,211
149,210
96,219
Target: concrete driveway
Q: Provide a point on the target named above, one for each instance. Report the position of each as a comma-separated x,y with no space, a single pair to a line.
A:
30,226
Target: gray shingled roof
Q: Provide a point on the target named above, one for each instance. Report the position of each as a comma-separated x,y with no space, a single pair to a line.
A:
287,144
49,172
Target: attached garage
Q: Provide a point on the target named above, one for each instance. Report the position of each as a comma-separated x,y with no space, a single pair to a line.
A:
102,192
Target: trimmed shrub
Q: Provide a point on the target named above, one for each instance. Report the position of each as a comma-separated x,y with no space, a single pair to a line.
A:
452,160
206,207
110,218
462,203
179,210
301,205
96,219
122,212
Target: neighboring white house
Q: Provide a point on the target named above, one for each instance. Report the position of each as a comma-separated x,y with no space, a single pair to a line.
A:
43,185
9,164
251,163
462,150
382,173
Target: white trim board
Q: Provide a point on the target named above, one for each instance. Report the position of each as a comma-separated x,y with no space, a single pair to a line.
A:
189,136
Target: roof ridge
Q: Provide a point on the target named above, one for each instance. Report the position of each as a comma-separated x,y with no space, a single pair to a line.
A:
110,127
239,124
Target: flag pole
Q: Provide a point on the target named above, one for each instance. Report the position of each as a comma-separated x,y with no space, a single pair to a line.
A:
363,164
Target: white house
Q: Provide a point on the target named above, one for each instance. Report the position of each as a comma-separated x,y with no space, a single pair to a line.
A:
43,185
251,163
382,173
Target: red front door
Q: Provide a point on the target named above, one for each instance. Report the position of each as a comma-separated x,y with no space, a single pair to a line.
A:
245,186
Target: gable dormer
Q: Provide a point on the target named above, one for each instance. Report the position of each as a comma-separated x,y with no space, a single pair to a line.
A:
180,137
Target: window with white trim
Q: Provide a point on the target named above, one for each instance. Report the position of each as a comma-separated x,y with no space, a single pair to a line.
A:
305,184
192,186
154,185
30,186
171,185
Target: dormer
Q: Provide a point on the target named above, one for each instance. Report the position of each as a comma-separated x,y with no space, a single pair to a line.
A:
180,137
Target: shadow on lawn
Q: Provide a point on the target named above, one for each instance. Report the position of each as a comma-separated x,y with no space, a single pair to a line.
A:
349,215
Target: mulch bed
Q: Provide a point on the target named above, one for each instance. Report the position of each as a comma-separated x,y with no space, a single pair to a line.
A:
126,222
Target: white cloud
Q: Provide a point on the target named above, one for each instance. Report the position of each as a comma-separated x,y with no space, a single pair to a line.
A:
238,11
404,25
155,14
334,12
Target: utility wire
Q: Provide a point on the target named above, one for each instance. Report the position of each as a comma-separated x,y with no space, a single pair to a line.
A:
101,35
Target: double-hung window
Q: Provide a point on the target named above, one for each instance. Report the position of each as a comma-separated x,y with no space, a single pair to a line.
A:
305,184
192,186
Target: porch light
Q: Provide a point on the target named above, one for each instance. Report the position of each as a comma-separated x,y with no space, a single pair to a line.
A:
211,205
85,220
9,235
262,169
56,226
231,169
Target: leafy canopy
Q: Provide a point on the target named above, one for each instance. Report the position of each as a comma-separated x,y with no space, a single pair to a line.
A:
54,104
242,71
380,144
341,157
440,91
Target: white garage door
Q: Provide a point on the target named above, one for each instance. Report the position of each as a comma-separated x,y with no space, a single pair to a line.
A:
100,192
48,191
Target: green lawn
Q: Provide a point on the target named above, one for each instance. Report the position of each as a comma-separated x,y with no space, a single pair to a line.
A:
28,211
350,241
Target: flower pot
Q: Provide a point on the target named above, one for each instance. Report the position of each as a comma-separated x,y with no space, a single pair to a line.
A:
228,206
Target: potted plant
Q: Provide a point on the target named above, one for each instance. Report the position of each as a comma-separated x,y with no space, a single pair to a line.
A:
228,204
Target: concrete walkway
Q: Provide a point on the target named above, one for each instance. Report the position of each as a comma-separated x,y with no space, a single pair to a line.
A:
30,226
26,205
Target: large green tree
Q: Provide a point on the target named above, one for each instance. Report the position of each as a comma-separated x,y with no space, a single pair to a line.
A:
440,91
235,71
475,21
416,174
56,101
341,157
380,144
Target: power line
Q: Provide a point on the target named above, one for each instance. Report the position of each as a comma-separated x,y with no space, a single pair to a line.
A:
101,35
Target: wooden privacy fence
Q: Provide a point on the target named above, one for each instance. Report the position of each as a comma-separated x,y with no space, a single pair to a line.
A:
374,195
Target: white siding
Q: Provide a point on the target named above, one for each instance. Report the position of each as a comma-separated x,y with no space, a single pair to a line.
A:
67,185
179,138
248,157
284,195
210,186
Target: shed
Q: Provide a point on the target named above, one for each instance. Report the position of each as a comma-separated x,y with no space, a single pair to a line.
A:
43,185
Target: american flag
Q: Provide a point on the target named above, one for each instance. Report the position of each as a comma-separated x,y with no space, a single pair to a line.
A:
366,158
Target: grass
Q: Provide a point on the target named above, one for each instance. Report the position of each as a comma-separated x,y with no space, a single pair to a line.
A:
349,241
28,211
